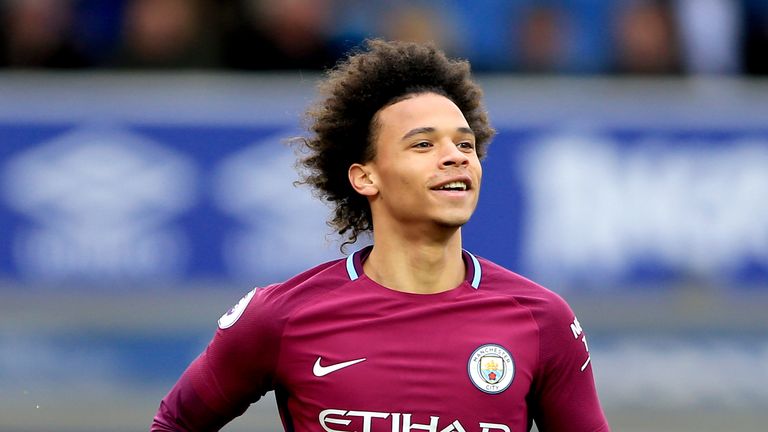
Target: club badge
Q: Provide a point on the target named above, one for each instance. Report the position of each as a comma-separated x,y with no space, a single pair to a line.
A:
491,368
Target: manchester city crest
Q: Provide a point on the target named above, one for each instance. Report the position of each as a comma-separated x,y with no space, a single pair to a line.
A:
491,368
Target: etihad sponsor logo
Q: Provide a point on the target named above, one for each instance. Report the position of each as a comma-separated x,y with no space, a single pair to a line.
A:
331,419
491,368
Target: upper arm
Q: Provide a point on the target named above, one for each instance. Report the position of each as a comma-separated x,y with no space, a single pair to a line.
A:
564,396
183,409
235,370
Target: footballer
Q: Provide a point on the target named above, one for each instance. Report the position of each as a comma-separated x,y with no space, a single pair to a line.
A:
413,333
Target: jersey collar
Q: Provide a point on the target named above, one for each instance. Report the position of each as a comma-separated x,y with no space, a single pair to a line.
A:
355,265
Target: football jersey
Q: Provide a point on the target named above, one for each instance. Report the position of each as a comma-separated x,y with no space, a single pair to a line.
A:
344,353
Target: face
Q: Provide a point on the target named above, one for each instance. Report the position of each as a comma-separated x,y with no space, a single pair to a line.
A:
426,170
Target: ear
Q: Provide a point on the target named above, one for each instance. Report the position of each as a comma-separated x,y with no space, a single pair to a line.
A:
361,179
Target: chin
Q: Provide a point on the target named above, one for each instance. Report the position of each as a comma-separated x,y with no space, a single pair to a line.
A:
453,222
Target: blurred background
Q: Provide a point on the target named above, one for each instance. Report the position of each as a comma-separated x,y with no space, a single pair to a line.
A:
145,187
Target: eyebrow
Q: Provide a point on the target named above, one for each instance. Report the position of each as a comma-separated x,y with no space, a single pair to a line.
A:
428,130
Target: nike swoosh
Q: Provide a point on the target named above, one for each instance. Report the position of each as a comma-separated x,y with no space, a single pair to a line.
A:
320,370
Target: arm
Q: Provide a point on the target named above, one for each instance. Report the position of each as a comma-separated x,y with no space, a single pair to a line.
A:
234,371
183,410
564,398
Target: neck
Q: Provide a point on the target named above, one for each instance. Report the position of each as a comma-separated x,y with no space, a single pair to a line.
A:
411,264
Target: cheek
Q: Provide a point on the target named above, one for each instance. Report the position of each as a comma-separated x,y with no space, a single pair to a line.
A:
401,184
399,189
478,169
398,175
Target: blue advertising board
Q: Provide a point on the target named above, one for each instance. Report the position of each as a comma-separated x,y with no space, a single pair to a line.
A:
128,203
150,203
139,202
146,204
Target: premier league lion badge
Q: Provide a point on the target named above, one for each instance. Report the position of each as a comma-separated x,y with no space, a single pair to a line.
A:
491,368
230,318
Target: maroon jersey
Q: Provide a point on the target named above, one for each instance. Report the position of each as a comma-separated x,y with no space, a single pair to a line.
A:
343,353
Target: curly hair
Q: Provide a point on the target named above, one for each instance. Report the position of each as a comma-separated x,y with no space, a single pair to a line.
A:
342,124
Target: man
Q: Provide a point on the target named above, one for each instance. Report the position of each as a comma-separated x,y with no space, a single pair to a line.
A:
413,333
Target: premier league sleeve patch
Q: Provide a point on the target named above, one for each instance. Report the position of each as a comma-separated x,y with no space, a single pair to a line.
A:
230,318
491,368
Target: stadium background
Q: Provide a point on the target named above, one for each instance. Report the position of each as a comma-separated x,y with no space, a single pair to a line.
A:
145,186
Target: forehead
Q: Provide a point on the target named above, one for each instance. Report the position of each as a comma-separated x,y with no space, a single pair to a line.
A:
420,110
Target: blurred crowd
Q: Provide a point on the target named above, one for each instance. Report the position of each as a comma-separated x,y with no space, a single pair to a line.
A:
648,37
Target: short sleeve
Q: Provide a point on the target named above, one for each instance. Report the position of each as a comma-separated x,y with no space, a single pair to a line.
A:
235,370
564,398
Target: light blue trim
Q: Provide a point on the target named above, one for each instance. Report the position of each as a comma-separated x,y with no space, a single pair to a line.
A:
351,267
478,271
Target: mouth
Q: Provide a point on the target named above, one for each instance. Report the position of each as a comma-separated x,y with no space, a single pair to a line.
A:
454,185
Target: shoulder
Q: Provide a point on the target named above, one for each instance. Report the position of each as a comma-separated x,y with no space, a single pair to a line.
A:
502,281
544,304
277,302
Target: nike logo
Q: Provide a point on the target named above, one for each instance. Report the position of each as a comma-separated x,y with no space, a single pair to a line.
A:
321,371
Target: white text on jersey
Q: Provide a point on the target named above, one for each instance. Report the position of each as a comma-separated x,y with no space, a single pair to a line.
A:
577,332
399,422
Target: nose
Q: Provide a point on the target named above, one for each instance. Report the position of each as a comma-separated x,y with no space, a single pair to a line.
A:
452,156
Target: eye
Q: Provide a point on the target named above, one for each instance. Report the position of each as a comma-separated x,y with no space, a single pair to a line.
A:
466,145
422,144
